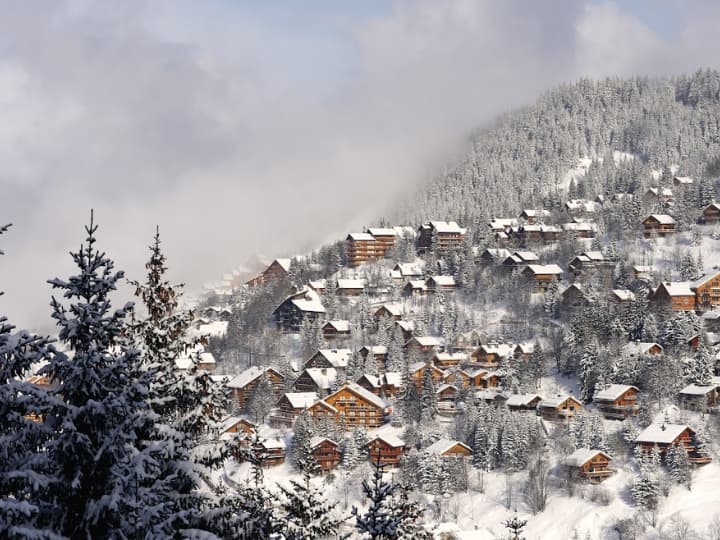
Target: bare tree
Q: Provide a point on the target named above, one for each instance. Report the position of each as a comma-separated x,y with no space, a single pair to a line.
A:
536,488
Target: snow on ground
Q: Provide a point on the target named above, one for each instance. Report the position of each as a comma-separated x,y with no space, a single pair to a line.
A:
578,171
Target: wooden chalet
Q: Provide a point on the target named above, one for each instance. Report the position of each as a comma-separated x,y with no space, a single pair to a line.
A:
448,448
543,275
393,312
272,450
392,382
683,181
446,393
336,330
330,358
443,235
559,408
642,348
581,229
290,406
660,224
371,383
588,260
491,396
711,213
206,361
415,288
317,380
407,328
350,287
386,449
621,296
707,292
326,453
520,259
468,341
361,248
531,217
417,373
243,385
493,256
575,296
523,402
353,406
436,284
460,378
666,435
617,401
276,271
589,465
237,424
677,295
658,194
297,307
445,360
582,206
407,271
524,351
385,239
491,354
643,271
699,397
424,346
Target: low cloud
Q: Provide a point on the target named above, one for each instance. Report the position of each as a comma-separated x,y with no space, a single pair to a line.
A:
271,132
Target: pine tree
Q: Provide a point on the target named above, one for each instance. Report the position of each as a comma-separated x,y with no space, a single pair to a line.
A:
262,400
25,473
305,513
588,372
351,454
679,465
428,398
104,481
303,431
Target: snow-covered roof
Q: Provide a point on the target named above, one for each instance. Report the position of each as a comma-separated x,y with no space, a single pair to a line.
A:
527,347
444,387
428,341
451,357
447,227
382,231
317,284
643,268
409,269
443,281
229,421
542,269
582,204
361,237
339,325
323,377
393,378
284,263
679,288
391,440
374,380
639,347
698,389
555,401
578,226
272,443
502,223
711,315
407,326
624,294
365,395
497,253
443,445
418,284
613,392
521,400
395,310
301,400
661,433
683,180
317,441
501,349
337,358
350,283
247,376
526,256
206,358
308,300
582,455
663,219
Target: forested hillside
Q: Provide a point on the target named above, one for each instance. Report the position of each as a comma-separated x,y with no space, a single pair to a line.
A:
523,159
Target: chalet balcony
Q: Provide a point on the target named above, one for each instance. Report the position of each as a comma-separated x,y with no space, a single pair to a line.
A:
700,460
618,413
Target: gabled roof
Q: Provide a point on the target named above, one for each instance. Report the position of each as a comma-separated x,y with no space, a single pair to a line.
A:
393,378
501,349
374,380
444,387
578,226
317,441
361,237
272,444
248,376
323,377
704,279
582,455
683,180
307,300
639,347
698,389
363,394
661,433
527,347
417,366
450,357
443,445
350,283
677,288
338,325
417,284
282,263
427,341
445,227
663,219
624,294
375,349
543,269
382,231
409,269
443,281
521,400
712,205
395,310
337,358
301,400
391,440
555,401
407,326
496,253
526,256
613,392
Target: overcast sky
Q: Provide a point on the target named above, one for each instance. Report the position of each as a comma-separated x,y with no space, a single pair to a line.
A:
241,127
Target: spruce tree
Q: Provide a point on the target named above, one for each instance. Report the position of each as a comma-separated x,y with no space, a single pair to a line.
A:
103,477
25,474
679,465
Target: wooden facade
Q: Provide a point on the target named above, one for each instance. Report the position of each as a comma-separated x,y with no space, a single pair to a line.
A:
707,292
660,224
592,466
386,449
677,296
353,407
326,453
699,398
617,401
289,407
336,330
561,408
305,304
276,271
449,449
663,436
242,387
442,235
711,214
369,246
318,380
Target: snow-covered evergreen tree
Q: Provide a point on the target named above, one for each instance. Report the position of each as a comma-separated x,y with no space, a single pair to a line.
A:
679,465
